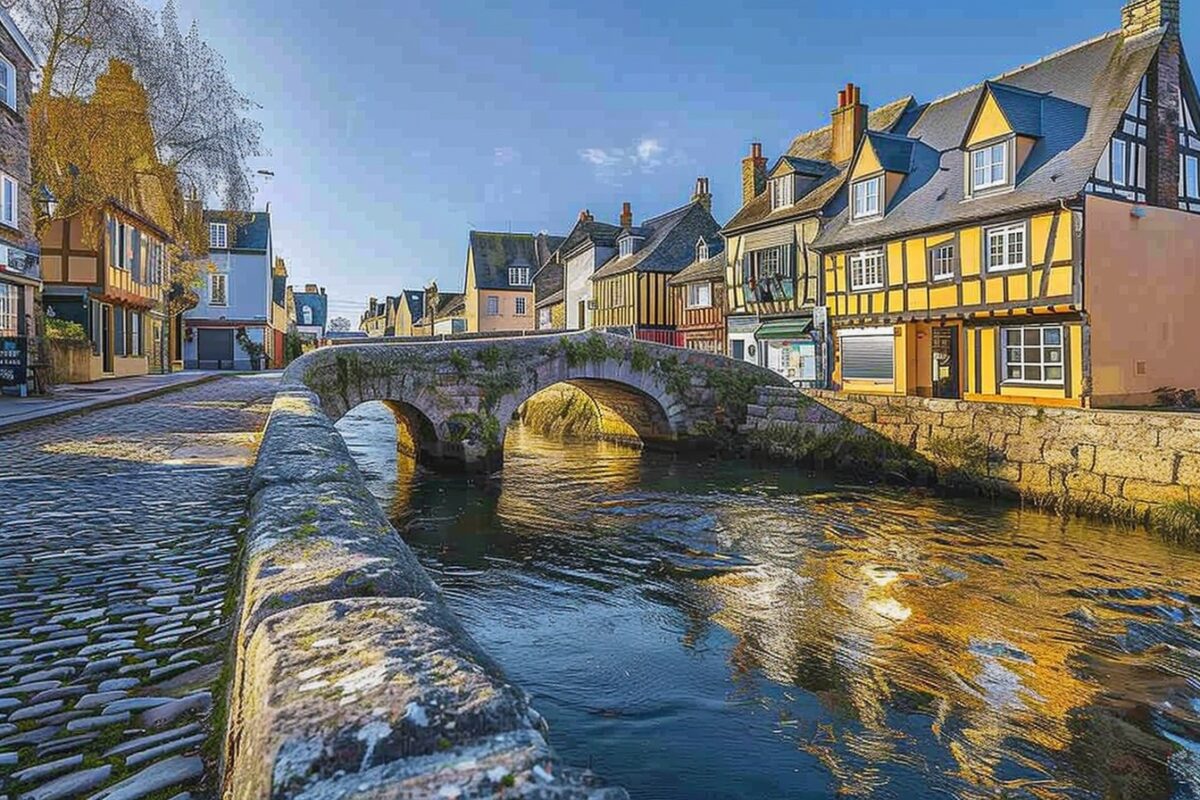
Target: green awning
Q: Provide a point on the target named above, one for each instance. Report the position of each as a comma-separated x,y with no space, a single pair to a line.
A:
785,329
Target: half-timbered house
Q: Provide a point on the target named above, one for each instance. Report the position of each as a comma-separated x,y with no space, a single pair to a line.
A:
1031,238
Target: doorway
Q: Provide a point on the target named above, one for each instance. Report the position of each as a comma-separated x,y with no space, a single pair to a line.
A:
582,315
945,363
106,339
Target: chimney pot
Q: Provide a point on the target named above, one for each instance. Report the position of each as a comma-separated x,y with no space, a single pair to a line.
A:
841,98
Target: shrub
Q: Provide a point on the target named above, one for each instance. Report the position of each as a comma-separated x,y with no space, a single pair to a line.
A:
65,330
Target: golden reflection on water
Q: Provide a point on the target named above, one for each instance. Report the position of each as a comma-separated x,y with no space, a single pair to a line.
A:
982,626
996,652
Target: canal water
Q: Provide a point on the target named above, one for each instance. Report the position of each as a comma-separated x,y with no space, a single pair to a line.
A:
699,629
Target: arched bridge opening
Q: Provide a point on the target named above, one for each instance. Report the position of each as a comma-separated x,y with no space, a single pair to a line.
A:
591,409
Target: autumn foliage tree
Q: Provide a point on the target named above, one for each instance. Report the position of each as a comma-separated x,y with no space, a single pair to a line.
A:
129,108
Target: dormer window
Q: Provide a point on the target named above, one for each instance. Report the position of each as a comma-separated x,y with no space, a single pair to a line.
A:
518,276
989,167
783,192
628,246
866,198
702,251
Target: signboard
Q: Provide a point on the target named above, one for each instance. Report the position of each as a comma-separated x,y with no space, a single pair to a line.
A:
14,360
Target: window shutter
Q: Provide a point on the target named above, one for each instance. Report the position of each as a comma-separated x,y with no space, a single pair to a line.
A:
119,330
868,357
135,266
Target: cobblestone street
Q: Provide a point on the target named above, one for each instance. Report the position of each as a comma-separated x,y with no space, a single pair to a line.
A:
118,533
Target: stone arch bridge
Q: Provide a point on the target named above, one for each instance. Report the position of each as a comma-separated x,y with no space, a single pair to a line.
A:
455,398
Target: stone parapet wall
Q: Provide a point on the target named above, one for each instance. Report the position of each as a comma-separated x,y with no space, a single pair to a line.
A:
352,679
1118,463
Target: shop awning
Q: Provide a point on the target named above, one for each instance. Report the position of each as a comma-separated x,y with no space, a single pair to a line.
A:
785,329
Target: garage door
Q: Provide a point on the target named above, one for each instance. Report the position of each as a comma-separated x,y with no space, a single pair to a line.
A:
214,348
868,358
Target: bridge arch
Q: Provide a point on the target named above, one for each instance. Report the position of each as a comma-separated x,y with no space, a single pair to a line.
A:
455,398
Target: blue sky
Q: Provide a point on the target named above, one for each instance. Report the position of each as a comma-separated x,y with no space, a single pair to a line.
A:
397,127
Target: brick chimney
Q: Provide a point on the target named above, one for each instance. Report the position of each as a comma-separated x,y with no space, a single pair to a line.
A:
626,215
702,195
1139,16
1162,79
754,174
849,124
586,216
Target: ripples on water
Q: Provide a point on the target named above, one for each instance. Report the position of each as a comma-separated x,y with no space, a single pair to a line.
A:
717,630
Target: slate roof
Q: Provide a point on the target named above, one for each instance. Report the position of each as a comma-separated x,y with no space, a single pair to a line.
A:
314,300
279,289
252,233
670,243
599,233
710,269
1084,90
1022,109
815,147
451,305
551,299
895,153
495,253
415,299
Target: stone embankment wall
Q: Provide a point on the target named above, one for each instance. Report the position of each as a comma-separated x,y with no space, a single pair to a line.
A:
352,679
1111,463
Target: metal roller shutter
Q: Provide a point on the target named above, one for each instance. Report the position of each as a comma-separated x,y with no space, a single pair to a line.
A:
869,358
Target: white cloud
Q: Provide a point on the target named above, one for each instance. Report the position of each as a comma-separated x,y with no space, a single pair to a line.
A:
503,156
612,163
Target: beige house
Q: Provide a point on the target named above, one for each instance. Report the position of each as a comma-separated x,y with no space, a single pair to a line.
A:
499,283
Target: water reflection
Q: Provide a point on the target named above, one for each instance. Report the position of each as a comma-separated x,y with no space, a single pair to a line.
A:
719,630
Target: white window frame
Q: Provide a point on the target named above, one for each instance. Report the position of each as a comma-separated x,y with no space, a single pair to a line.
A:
493,305
1022,350
783,192
1007,233
1189,177
10,85
10,216
702,250
10,300
627,246
212,289
872,204
306,314
988,168
134,322
522,306
941,263
699,295
859,265
1123,161
218,236
518,276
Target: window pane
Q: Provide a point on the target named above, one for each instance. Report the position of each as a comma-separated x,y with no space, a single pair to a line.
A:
1054,373
1033,336
1054,356
1052,335
1014,372
1013,338
1033,374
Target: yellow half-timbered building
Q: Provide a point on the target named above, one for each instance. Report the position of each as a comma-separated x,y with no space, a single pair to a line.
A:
1024,240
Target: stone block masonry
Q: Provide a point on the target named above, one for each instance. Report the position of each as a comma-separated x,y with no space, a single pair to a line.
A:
1122,464
353,679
